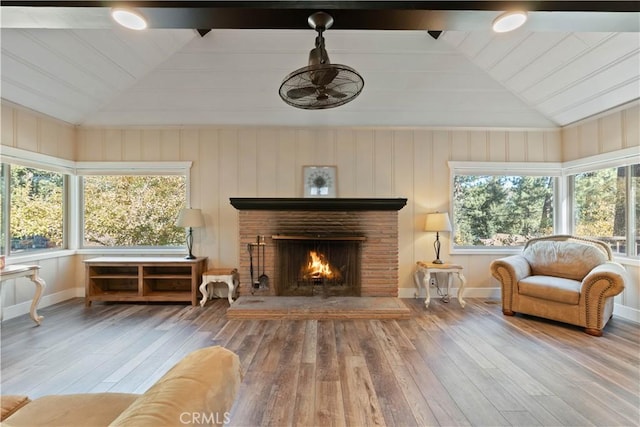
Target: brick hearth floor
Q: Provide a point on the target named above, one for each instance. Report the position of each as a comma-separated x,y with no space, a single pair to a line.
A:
317,307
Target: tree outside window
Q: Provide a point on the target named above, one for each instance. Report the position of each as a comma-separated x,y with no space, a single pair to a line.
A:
126,211
501,210
600,206
35,209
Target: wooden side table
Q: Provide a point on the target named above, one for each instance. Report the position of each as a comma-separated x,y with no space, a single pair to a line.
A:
425,269
229,276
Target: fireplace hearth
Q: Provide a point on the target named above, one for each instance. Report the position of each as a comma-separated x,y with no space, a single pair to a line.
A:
312,265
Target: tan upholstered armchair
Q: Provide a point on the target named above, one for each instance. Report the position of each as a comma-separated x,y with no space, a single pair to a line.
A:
563,278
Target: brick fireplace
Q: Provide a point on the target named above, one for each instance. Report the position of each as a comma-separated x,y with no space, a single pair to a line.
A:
373,221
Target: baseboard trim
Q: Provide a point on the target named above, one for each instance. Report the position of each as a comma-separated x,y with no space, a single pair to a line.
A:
16,310
468,292
625,312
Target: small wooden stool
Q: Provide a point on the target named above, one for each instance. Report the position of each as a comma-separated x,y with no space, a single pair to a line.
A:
229,276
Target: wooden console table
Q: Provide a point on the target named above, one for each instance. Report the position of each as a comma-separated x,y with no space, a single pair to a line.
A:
31,271
143,279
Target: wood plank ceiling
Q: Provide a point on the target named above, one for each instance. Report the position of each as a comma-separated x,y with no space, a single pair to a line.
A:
74,64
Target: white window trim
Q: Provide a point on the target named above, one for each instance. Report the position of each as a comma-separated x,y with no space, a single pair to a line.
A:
614,159
552,169
126,168
132,168
505,168
561,170
17,156
30,159
75,170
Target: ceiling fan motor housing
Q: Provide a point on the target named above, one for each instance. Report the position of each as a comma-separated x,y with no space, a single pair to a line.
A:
321,85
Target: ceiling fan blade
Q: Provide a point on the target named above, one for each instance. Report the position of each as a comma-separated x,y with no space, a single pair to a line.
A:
335,93
301,92
324,76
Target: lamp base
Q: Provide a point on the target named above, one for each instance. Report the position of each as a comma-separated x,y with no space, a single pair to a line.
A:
438,261
190,256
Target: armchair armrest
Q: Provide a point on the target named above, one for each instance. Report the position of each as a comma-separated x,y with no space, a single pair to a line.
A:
604,281
509,271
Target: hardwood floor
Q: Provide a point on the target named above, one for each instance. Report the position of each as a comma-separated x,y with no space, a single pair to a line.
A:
444,366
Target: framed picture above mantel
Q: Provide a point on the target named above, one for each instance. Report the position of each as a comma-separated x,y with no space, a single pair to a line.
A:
320,181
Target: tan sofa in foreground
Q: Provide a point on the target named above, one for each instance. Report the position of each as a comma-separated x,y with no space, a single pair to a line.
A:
563,278
198,390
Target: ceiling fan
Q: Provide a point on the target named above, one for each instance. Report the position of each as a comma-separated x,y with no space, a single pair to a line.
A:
321,84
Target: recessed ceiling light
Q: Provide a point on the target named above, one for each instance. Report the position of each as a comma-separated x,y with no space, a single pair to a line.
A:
509,21
129,19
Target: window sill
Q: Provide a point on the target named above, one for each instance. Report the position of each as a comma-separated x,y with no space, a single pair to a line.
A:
627,260
487,250
39,256
136,251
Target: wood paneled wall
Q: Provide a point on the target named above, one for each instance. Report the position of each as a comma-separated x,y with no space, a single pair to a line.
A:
603,134
38,133
267,162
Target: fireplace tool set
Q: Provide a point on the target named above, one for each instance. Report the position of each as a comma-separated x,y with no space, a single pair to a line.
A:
262,281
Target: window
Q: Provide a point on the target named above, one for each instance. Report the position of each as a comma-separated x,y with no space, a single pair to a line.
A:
32,209
133,210
604,204
501,210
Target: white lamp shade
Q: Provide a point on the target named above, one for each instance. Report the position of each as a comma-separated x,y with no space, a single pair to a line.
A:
190,218
438,221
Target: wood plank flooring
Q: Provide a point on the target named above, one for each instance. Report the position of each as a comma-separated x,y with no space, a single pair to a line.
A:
444,366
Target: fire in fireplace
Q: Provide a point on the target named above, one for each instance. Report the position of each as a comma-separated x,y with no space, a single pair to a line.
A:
319,268
327,266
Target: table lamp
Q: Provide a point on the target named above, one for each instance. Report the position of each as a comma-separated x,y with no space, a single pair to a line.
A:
190,218
437,222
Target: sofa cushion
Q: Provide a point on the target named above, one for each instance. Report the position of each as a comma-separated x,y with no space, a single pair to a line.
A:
551,288
563,259
71,410
199,390
11,403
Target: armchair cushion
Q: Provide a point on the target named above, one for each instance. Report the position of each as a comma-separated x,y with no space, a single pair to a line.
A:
563,259
551,288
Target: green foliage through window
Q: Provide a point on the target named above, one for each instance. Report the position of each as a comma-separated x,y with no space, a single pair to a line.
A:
600,204
133,210
501,210
36,209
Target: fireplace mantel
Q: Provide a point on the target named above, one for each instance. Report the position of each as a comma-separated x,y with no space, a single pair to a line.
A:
316,204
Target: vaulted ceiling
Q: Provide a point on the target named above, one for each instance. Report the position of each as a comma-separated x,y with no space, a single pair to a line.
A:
75,64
